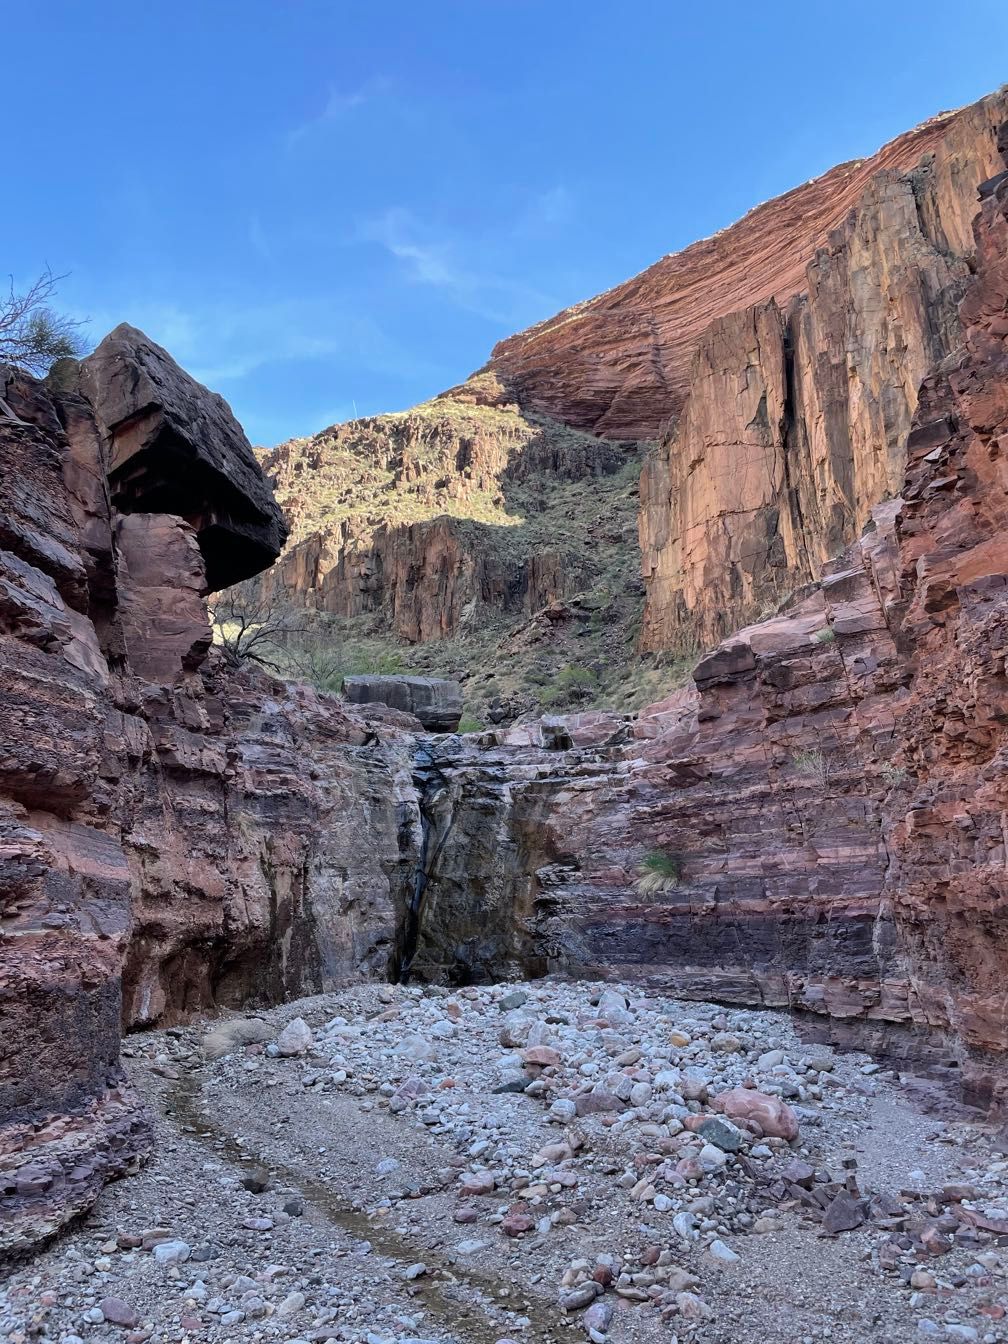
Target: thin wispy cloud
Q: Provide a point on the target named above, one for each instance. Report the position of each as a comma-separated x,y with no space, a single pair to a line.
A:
257,237
439,261
546,212
427,262
232,348
340,103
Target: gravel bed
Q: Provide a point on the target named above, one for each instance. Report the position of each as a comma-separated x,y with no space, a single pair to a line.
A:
533,1162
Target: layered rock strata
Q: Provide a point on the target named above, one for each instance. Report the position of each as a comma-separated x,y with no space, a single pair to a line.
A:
818,821
443,517
776,364
619,364
796,414
435,701
172,834
174,447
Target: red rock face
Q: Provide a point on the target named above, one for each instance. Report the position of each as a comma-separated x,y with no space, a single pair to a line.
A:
828,798
163,844
428,576
619,364
796,415
776,364
949,889
429,517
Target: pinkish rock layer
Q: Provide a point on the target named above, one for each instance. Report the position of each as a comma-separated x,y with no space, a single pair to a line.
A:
797,410
173,835
163,844
619,364
832,788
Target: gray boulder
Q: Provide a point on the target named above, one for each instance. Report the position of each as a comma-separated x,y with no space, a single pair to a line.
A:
435,701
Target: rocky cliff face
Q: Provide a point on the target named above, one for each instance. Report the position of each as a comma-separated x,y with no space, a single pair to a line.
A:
163,844
431,518
619,364
796,415
825,804
816,821
776,364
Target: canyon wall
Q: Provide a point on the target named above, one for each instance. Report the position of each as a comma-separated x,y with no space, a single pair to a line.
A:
827,799
619,364
173,833
431,518
825,802
796,414
775,365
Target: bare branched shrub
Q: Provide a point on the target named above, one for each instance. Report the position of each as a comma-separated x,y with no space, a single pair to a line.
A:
248,625
32,334
315,656
270,630
893,774
812,762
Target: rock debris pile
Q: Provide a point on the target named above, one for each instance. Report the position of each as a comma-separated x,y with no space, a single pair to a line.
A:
551,1161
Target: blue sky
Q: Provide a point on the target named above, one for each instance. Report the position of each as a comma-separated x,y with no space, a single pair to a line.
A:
323,208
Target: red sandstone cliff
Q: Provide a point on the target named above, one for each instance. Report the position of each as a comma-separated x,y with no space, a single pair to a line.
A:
163,843
430,518
619,364
776,363
832,787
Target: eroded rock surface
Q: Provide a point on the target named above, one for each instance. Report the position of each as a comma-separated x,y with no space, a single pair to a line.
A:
456,512
817,821
776,364
174,447
619,364
795,421
171,833
435,701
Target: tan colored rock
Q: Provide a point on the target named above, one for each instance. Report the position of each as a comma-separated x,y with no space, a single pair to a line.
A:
233,1034
540,1056
429,516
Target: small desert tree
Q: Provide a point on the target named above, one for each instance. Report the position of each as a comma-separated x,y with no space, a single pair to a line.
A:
316,656
32,334
250,624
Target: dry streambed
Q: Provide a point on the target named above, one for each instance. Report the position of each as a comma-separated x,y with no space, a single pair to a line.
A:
540,1162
